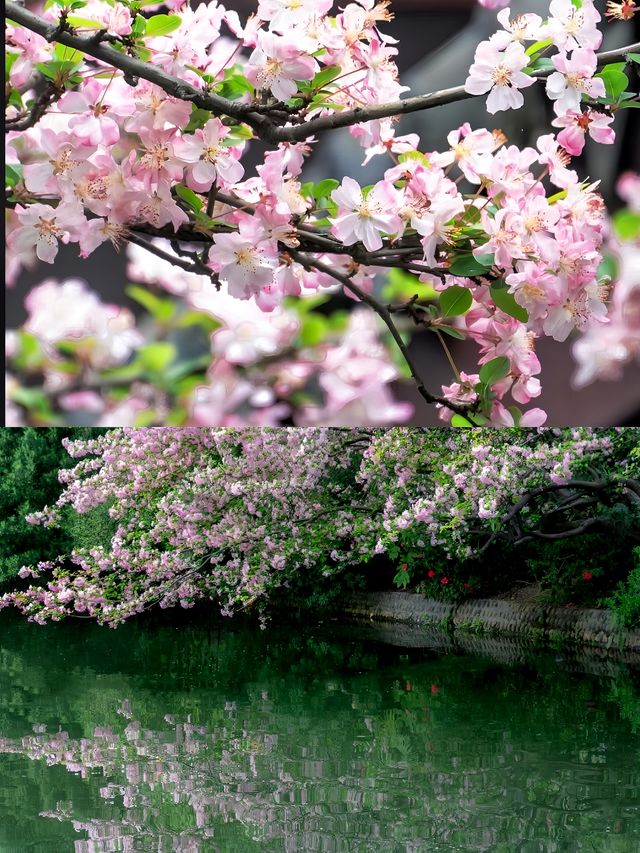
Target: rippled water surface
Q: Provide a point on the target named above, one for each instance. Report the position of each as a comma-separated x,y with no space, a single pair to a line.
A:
157,737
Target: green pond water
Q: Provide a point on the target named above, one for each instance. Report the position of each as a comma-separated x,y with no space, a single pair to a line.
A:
177,737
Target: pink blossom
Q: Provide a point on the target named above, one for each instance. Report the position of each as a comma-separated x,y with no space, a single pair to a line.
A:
499,73
277,62
519,29
577,124
571,27
43,226
365,219
211,158
244,260
574,78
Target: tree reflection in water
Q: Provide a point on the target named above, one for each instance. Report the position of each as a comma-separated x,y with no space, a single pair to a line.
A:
306,742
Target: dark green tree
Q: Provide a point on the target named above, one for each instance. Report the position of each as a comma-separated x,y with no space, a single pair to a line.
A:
29,463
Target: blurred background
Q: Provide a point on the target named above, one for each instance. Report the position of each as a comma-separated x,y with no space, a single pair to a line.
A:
437,40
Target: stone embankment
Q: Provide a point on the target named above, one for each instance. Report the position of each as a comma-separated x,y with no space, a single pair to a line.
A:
535,623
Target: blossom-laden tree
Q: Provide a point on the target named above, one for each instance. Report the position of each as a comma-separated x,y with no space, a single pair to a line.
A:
130,127
235,515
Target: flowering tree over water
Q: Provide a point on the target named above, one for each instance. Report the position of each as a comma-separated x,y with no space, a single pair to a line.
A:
130,127
236,515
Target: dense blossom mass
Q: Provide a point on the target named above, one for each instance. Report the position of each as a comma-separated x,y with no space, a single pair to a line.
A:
236,515
124,127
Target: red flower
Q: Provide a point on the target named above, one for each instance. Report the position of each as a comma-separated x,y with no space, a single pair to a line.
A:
431,573
444,580
434,688
404,566
587,576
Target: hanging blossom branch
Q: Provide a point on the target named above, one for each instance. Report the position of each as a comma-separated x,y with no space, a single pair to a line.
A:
575,496
263,125
506,264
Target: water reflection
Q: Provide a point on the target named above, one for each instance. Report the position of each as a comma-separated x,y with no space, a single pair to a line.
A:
179,739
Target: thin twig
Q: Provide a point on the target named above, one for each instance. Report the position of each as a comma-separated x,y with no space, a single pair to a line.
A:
384,314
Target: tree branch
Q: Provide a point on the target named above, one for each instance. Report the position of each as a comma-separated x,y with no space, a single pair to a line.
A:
266,125
409,105
132,67
385,315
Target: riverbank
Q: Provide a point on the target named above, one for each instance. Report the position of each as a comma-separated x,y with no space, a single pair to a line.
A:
537,623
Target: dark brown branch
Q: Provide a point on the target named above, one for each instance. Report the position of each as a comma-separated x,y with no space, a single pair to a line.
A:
39,107
409,105
574,499
566,533
262,124
133,68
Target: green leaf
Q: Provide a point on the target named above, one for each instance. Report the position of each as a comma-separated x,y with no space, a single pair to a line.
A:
189,197
57,70
235,83
30,354
177,373
402,285
84,24
67,54
468,265
199,318
451,331
626,224
516,414
198,119
157,356
139,26
12,174
455,301
303,306
325,76
460,421
238,133
325,188
147,418
608,268
160,309
538,46
495,370
615,80
506,302
162,25
402,578
126,373
313,330
633,57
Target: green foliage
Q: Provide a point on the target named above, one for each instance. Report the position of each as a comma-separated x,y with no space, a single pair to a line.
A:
29,462
625,601
578,571
89,529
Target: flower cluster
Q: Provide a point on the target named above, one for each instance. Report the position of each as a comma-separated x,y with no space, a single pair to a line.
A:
97,363
97,154
235,515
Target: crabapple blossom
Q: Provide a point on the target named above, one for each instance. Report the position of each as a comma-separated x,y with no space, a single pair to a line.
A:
229,515
112,157
70,310
365,218
499,72
277,62
572,79
572,27
43,226
211,158
244,260
576,126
